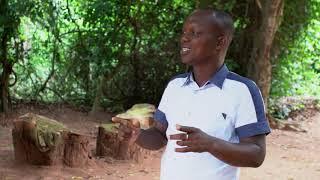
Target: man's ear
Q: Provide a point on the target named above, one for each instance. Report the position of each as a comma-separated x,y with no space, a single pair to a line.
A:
222,42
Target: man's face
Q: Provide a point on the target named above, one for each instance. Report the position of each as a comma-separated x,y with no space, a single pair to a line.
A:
198,40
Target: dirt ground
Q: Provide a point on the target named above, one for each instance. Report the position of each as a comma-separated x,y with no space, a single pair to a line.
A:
290,155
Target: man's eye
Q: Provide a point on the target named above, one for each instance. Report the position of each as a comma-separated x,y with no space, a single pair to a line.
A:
192,34
195,34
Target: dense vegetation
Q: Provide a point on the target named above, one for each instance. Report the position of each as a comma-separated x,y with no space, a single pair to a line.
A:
112,54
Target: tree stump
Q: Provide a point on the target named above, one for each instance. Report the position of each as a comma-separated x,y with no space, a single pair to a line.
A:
110,145
39,140
76,151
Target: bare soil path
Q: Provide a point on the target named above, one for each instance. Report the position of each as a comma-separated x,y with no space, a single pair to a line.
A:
290,156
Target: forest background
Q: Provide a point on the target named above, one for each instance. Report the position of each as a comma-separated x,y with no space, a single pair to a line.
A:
108,55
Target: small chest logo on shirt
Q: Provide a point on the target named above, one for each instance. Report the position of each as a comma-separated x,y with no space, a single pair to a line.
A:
224,115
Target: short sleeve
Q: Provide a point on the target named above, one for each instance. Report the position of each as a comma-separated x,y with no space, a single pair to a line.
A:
160,114
250,118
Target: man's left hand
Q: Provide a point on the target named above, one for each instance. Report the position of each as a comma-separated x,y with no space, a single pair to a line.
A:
193,140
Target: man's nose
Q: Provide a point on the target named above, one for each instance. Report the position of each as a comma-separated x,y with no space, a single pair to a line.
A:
185,37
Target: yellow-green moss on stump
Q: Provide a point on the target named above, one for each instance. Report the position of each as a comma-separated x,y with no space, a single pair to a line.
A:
39,140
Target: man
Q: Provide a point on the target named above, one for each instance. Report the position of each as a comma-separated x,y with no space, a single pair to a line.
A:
212,120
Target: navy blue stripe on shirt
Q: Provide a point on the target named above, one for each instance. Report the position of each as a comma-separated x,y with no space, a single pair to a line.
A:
253,129
255,94
161,117
262,126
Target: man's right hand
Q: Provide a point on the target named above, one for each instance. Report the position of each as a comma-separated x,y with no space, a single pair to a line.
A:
152,139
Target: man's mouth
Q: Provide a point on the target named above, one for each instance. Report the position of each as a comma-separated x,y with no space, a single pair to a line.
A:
185,50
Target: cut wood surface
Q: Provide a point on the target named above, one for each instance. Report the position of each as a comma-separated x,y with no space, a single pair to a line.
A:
140,115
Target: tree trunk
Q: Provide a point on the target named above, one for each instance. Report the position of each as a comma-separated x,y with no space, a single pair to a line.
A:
6,71
260,69
246,38
41,141
109,144
99,95
5,90
107,141
4,61
76,151
103,80
135,62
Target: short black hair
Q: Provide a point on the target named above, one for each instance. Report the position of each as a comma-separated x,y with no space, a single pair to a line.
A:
223,19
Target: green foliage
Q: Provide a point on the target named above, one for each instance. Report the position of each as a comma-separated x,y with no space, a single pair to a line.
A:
297,70
67,46
288,107
282,110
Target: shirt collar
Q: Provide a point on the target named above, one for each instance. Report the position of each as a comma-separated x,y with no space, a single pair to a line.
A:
217,79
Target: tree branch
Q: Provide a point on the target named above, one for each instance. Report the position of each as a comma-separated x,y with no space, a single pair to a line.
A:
259,4
55,55
58,94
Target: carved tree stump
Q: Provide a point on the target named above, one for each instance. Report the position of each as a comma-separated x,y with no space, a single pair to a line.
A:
42,141
109,144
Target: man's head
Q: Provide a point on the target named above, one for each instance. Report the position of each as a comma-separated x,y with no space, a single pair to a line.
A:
206,36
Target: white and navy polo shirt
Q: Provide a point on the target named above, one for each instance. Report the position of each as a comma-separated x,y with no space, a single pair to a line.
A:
228,106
